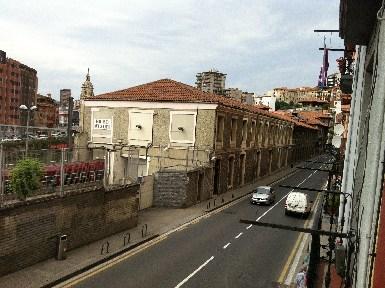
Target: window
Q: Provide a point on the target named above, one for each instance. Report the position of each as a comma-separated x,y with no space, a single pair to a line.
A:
220,128
140,127
252,130
182,127
230,174
233,128
244,131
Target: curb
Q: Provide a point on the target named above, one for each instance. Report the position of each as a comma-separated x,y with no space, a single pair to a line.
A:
96,263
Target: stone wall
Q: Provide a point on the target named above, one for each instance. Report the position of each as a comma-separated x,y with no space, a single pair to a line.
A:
28,230
182,188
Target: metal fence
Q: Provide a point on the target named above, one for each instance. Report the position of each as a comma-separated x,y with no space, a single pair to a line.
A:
186,158
62,170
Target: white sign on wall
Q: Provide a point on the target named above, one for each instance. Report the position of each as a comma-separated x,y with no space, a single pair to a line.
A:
102,124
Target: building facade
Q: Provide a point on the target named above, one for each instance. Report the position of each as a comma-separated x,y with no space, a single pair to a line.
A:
47,114
168,126
211,81
297,95
362,212
18,86
267,100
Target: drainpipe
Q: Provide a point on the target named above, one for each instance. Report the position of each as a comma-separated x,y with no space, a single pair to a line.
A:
372,181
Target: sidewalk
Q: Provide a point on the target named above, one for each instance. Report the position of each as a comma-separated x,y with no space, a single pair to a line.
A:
152,222
335,279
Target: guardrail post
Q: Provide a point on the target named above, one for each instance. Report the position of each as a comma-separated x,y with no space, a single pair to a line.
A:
62,172
107,245
126,239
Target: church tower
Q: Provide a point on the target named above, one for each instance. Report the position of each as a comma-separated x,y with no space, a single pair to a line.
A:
87,87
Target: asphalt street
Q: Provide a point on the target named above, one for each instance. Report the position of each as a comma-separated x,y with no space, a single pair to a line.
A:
218,251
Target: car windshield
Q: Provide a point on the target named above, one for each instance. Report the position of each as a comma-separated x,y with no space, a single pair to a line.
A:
262,190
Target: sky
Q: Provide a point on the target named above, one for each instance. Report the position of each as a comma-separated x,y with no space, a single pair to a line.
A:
259,44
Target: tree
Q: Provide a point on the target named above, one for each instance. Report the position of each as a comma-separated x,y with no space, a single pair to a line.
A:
282,105
25,177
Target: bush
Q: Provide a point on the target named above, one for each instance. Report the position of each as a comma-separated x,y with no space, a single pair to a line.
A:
25,177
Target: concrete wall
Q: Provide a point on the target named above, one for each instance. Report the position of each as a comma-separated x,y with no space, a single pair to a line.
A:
28,229
146,192
182,188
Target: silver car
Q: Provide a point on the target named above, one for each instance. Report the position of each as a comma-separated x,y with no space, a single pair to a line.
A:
263,195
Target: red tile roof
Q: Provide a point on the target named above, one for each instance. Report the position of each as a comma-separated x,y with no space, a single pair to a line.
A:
167,90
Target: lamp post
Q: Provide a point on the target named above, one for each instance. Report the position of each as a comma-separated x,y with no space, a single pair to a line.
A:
28,109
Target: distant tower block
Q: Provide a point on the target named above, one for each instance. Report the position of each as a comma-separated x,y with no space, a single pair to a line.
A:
211,81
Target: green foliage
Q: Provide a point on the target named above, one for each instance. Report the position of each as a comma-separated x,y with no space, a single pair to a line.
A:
282,105
25,177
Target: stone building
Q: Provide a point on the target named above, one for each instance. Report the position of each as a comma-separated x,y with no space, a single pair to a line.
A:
205,143
47,114
296,95
241,96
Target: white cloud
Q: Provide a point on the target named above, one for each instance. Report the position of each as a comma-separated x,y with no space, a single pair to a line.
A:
257,43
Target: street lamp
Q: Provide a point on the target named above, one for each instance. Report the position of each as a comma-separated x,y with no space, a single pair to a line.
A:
30,109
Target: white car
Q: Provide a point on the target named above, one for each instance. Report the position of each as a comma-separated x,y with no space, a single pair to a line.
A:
298,203
43,136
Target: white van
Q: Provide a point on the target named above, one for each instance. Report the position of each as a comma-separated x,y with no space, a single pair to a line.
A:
298,203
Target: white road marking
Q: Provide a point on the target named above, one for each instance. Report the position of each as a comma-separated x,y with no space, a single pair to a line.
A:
193,273
267,211
297,258
239,235
248,227
227,245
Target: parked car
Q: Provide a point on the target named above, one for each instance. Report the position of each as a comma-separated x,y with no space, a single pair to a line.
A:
32,136
263,195
298,203
43,136
56,134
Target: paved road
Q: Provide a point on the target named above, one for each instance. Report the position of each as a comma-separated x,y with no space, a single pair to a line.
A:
217,251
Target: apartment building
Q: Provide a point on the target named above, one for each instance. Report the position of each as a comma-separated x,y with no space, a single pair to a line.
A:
18,86
211,81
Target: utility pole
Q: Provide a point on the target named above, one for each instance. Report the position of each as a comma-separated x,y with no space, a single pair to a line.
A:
69,125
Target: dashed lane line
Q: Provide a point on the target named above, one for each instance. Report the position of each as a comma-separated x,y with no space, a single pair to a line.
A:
239,235
193,273
227,245
248,227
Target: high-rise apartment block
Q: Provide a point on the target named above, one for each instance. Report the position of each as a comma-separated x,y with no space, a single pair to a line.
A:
211,81
18,86
65,95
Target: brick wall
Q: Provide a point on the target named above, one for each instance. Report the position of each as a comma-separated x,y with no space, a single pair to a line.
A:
28,229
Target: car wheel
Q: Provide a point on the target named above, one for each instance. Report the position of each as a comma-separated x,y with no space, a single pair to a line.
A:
286,212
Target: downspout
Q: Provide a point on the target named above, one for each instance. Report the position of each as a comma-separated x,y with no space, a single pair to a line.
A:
372,181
